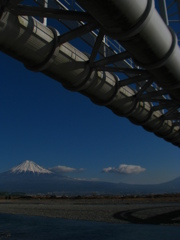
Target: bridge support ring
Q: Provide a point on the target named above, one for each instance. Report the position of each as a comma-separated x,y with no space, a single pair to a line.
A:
139,25
50,57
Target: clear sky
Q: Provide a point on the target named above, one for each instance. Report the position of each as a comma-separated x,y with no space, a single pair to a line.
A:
43,122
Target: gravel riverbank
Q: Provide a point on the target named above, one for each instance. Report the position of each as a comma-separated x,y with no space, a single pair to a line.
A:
104,210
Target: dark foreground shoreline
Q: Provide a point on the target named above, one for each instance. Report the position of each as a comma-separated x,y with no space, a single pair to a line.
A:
138,211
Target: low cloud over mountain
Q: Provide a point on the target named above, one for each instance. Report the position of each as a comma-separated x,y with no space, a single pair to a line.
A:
124,169
65,169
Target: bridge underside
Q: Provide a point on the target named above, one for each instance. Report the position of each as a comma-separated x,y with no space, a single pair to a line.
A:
126,58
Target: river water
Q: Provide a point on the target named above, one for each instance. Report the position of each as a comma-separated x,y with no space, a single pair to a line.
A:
17,227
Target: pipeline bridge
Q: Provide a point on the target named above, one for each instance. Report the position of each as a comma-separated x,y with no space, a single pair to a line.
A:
122,54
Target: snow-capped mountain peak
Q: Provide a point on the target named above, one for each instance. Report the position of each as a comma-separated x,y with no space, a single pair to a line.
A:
29,167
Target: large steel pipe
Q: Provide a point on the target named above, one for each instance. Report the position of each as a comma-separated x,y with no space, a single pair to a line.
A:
139,28
27,40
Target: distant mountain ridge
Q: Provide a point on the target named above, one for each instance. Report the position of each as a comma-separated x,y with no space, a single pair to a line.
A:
29,177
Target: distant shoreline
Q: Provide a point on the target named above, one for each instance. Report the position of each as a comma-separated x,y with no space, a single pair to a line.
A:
115,210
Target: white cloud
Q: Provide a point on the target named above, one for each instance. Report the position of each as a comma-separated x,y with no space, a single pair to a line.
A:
124,169
65,169
88,179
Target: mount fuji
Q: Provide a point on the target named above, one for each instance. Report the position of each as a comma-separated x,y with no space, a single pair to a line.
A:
30,178
29,167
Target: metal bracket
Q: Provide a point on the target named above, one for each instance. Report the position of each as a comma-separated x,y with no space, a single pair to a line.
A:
139,25
50,58
110,100
81,86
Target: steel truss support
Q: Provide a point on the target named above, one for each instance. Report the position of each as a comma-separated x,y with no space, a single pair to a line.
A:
77,32
163,11
178,4
112,59
137,31
50,13
51,53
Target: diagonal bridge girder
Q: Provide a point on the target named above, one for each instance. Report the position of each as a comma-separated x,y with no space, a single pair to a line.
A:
96,79
138,31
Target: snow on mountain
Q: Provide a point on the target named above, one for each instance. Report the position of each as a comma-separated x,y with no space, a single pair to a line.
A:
29,167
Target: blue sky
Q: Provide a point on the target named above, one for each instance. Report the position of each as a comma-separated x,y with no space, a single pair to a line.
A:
43,122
